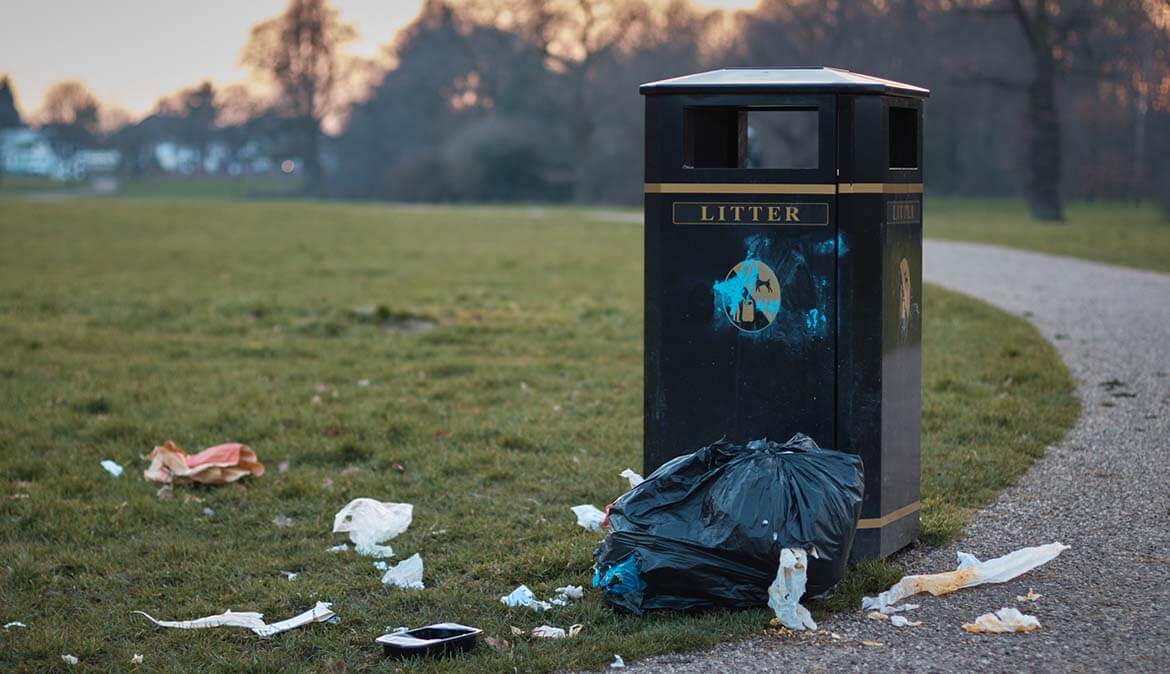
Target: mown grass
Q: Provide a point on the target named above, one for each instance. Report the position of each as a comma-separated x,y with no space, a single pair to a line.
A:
22,184
124,323
1130,235
210,187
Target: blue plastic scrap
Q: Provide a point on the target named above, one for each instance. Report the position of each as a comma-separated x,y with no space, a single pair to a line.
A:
621,578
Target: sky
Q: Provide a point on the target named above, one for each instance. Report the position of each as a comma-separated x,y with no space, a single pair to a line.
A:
130,53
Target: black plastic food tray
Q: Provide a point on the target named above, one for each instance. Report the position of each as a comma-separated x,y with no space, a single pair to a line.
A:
432,640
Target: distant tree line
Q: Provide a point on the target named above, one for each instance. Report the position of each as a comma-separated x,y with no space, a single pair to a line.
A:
536,100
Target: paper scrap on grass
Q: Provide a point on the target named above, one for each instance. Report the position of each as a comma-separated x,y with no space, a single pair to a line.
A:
112,468
253,621
8,626
215,465
522,596
369,523
617,663
137,659
70,659
785,592
588,516
634,478
971,572
407,574
548,632
567,595
1003,621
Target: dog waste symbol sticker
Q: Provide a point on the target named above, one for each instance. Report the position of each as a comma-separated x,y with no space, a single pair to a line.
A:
750,295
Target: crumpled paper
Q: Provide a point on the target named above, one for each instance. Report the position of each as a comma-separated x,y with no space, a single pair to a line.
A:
971,572
588,516
1003,621
634,478
552,632
567,595
522,596
371,522
322,612
785,592
215,465
548,632
407,574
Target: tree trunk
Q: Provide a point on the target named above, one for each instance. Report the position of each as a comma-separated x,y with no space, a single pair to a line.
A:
1043,128
582,128
313,185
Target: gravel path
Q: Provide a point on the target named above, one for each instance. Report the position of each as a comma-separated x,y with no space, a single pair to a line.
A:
1105,491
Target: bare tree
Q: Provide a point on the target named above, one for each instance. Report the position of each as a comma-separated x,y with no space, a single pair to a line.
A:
70,114
300,53
575,37
199,111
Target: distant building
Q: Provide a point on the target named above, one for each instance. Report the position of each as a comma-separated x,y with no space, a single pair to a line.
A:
25,151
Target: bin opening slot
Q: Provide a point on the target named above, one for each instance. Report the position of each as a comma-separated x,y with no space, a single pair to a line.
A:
903,138
751,138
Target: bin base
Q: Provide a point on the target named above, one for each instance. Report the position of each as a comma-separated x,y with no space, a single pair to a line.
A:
883,537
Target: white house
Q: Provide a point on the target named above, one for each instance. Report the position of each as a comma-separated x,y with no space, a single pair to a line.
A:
26,151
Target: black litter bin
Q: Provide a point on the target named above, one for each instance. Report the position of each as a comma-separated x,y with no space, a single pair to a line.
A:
783,213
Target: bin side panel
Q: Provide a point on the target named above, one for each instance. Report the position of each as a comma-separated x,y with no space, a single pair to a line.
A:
902,366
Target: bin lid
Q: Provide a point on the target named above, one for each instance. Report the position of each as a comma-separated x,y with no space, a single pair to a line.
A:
800,79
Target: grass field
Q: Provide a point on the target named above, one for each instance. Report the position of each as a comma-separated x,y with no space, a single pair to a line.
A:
127,322
1121,234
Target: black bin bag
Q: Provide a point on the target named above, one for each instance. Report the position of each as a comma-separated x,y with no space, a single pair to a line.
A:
706,529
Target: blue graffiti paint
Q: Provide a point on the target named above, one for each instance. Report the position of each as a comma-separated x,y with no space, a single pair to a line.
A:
831,246
815,321
788,263
758,246
742,283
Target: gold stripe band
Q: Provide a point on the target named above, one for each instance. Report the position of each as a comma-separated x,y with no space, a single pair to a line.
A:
879,522
739,188
879,188
783,188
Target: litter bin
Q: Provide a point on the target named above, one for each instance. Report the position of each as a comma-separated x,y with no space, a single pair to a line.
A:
783,285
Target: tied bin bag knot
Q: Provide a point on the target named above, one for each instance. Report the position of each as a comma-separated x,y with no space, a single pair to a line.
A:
707,529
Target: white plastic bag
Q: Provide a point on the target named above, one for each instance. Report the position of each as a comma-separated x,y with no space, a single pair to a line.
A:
371,522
